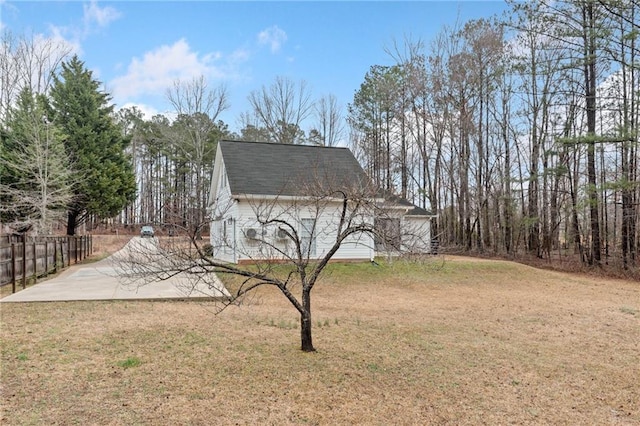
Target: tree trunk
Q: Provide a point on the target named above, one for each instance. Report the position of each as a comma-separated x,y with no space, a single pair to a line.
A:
479,176
574,209
590,99
532,208
72,222
305,322
507,190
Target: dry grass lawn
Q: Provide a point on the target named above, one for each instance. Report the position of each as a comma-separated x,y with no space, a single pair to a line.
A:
464,342
104,245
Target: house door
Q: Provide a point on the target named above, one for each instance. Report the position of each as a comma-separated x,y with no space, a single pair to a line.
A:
307,237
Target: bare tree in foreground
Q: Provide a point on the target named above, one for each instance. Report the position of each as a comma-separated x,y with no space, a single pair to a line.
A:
292,241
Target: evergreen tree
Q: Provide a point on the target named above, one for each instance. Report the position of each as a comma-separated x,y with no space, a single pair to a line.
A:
94,143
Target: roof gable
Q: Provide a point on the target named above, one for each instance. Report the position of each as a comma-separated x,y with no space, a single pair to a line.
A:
262,168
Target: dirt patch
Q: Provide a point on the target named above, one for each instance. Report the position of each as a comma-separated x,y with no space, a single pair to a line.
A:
454,342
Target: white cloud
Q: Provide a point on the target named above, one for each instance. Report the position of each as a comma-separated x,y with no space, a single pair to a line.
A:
239,56
159,68
272,36
100,16
69,38
58,39
7,10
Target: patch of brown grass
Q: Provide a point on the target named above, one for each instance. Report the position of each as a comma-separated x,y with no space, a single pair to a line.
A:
610,267
105,245
464,342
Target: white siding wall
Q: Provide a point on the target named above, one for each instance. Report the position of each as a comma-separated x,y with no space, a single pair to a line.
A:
224,214
416,234
359,246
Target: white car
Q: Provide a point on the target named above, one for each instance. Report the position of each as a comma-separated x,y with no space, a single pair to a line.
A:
146,231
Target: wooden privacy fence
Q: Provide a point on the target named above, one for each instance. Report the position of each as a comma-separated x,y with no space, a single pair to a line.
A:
22,259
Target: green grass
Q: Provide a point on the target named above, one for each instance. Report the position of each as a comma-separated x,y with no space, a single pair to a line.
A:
629,310
130,362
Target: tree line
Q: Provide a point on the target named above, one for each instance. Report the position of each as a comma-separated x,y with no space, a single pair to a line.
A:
521,131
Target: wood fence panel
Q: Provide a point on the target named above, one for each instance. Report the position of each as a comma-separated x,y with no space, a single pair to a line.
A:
20,261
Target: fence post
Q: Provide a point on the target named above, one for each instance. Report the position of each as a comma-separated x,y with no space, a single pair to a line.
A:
35,261
13,267
24,261
55,255
46,256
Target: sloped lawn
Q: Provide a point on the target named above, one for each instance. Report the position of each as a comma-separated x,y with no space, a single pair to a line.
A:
460,342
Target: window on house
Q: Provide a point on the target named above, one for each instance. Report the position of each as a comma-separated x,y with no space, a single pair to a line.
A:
307,237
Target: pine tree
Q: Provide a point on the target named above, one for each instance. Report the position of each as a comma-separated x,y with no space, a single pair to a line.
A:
94,143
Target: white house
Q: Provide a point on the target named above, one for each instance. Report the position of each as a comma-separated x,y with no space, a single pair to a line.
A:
263,193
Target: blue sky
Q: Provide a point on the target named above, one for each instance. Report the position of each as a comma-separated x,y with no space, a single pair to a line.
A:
138,48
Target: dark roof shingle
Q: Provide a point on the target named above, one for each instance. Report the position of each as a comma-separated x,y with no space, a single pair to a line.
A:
262,168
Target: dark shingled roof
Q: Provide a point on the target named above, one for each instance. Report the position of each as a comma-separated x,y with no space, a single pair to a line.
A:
413,210
419,211
281,169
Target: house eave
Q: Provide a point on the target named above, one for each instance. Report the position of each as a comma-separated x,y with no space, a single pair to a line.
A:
270,197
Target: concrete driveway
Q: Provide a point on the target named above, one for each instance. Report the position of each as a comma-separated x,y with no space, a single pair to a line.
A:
100,281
